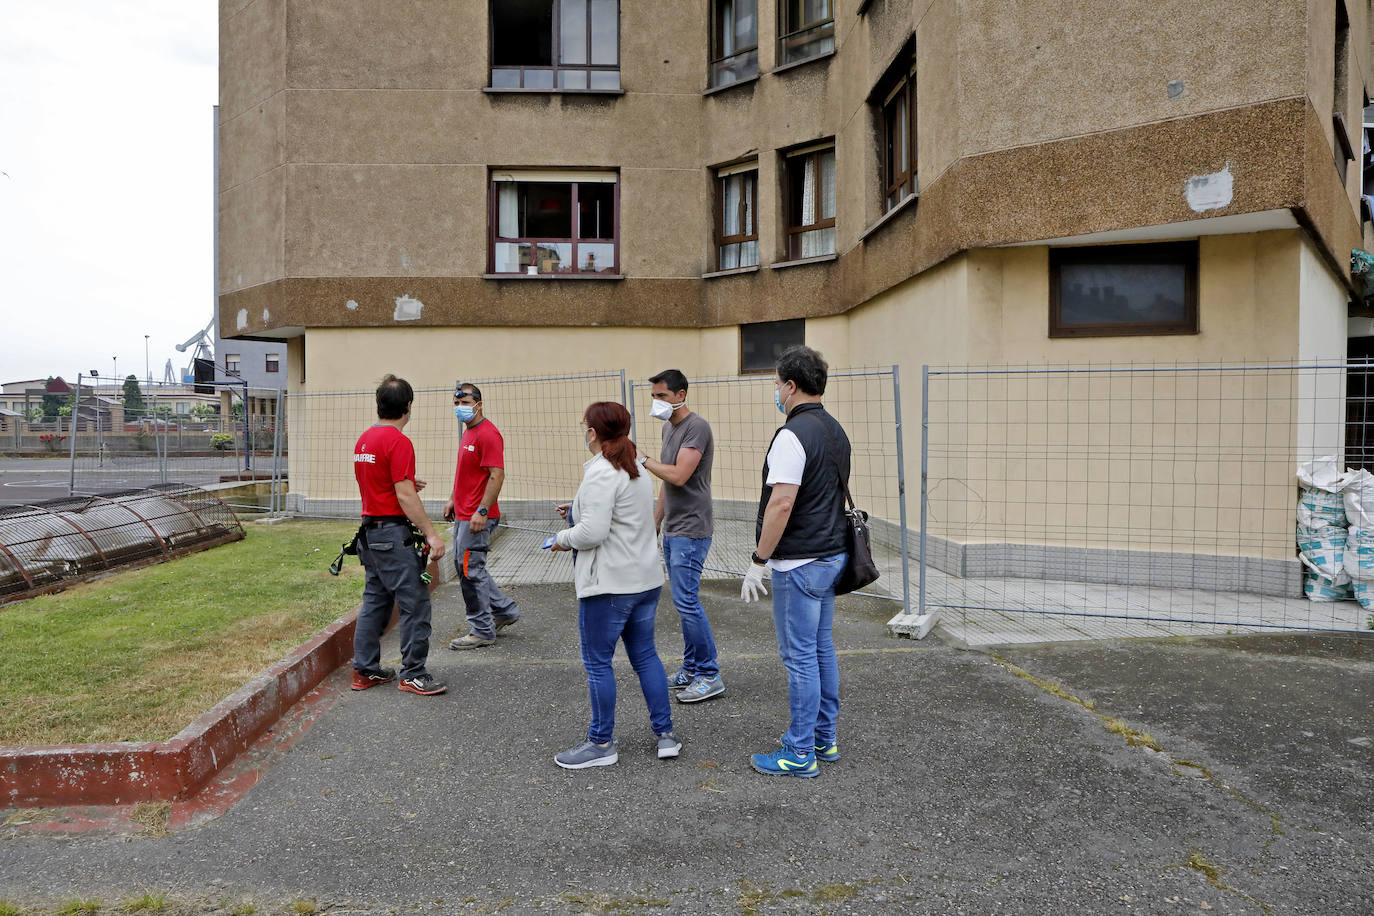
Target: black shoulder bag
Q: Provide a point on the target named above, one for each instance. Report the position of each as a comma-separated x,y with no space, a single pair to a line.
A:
860,570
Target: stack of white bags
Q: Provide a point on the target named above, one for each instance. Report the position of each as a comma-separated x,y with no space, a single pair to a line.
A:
1336,531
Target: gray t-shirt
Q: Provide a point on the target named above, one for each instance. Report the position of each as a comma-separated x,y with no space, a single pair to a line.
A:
687,509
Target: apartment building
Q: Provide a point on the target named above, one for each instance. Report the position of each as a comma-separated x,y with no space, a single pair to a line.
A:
490,187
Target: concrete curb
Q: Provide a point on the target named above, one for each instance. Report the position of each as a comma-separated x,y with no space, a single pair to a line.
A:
121,773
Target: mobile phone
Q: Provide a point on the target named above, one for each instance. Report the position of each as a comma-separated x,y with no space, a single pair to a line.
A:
548,542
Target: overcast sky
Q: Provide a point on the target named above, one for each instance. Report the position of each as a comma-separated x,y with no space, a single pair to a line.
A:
106,204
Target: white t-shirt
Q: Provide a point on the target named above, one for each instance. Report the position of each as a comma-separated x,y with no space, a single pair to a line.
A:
786,462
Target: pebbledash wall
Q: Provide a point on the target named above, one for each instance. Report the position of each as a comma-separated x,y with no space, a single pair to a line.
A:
357,142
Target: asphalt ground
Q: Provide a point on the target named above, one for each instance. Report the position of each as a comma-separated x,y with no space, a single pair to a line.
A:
971,782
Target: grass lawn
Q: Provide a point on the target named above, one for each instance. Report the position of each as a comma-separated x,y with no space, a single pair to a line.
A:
139,655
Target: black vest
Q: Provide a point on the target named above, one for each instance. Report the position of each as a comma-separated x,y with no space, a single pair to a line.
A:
816,527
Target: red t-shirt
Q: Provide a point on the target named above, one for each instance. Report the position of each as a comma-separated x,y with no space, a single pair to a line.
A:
481,448
382,458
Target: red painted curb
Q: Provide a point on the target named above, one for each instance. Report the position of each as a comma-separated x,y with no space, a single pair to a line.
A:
122,773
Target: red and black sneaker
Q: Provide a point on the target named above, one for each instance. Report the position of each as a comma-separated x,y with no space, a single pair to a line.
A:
365,679
423,684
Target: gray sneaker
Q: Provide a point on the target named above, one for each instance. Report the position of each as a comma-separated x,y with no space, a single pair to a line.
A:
471,641
669,745
702,688
680,680
587,754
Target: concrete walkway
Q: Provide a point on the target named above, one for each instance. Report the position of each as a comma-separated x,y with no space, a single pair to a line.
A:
970,784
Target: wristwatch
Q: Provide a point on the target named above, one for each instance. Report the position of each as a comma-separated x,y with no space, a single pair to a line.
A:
758,559
482,511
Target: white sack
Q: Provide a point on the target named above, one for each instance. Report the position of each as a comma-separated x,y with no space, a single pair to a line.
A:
1319,508
1323,551
1322,474
1320,588
1358,494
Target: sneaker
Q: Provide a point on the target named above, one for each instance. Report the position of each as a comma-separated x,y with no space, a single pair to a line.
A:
423,684
365,679
701,688
783,762
680,680
500,623
669,745
471,641
587,754
828,752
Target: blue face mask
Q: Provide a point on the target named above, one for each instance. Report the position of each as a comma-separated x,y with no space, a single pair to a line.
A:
777,399
464,413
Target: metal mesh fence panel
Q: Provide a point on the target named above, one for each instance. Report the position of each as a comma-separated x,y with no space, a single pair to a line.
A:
1124,500
743,418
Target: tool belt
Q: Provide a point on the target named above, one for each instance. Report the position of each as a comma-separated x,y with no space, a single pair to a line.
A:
415,539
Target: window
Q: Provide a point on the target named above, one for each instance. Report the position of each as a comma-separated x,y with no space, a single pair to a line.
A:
551,222
555,44
737,205
810,177
273,362
734,41
806,29
183,408
761,344
899,133
1340,92
1118,290
231,363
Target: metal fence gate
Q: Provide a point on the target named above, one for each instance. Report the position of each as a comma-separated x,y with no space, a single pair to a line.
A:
1159,496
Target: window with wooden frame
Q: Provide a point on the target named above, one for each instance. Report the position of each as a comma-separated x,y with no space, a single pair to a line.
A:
806,29
554,222
762,343
899,132
737,207
810,193
555,45
273,362
1124,290
734,42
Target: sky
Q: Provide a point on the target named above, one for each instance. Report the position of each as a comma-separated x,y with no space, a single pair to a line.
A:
106,201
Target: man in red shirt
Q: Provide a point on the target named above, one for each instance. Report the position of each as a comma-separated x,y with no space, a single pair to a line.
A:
384,465
476,484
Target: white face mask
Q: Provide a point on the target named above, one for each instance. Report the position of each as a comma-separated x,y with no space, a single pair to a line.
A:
662,410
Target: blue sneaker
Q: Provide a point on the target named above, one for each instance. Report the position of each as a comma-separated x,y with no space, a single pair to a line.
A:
783,762
828,752
680,680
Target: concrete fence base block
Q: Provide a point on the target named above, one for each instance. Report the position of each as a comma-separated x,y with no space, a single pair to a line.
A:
123,773
911,626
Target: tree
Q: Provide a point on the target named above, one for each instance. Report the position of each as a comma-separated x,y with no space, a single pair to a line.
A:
133,396
52,403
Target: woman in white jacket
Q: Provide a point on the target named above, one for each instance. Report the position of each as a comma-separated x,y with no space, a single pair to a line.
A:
618,579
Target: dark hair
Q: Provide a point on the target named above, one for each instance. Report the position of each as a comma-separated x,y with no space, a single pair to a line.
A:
611,423
458,391
805,367
393,398
673,378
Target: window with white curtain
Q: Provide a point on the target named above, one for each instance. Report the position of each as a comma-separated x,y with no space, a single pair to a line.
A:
550,221
734,41
553,45
810,176
737,229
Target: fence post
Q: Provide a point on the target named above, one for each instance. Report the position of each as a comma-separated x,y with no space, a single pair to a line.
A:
915,625
925,471
276,455
901,488
76,407
247,441
627,397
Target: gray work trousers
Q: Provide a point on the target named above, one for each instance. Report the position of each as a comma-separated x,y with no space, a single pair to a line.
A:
485,603
393,577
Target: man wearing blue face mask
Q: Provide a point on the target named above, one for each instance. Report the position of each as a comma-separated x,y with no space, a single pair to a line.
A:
475,513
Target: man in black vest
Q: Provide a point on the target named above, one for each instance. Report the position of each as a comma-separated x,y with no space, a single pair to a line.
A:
800,536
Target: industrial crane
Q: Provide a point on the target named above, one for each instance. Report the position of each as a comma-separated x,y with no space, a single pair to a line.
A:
204,350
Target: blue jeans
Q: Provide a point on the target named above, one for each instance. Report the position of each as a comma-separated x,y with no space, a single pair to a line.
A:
603,620
803,613
684,558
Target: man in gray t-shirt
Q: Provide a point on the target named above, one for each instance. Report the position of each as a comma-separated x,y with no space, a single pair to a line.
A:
683,515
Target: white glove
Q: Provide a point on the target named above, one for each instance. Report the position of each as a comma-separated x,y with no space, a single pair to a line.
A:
753,589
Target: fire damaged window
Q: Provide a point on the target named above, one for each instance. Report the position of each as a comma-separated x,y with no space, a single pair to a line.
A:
555,45
761,344
897,95
1121,290
806,29
734,41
